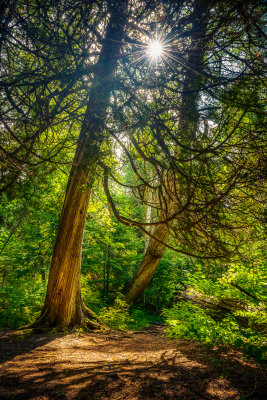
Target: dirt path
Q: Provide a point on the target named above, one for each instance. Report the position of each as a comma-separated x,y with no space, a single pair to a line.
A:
115,366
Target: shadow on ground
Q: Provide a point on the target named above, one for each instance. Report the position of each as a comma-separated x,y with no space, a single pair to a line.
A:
125,366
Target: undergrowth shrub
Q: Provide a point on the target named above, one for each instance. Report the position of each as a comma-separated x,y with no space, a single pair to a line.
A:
92,298
186,320
143,317
116,317
121,317
21,302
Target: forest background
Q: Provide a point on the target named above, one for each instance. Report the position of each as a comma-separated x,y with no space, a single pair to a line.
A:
169,148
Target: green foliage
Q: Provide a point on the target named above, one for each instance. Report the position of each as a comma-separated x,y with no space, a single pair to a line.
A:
116,317
219,279
28,221
21,301
111,252
189,321
142,318
28,224
120,317
169,278
244,327
91,294
79,331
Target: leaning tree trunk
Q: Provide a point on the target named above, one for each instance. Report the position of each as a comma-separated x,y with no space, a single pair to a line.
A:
152,257
63,306
188,124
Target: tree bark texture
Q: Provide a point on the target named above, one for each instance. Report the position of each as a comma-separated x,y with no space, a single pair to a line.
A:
188,125
145,272
63,306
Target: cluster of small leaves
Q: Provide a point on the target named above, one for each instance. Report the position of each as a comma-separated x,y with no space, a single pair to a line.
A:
242,327
121,317
117,317
28,220
22,301
191,322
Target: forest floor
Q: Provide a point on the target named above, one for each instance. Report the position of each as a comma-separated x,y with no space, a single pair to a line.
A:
115,366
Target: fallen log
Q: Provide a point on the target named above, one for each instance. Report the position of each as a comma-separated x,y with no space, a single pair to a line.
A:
219,308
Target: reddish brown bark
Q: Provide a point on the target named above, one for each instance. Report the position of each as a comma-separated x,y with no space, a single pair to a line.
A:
145,272
63,307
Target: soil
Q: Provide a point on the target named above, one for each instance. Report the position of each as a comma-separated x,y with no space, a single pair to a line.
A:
130,366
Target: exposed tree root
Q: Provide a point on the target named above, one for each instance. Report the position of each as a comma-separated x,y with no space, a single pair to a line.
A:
93,322
87,320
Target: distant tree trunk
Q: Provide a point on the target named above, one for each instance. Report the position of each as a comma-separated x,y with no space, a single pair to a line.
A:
63,306
188,124
148,212
106,272
152,257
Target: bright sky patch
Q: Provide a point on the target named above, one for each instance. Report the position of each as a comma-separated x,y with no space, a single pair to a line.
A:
155,49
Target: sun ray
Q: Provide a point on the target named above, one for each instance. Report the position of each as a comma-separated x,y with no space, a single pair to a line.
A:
156,52
155,49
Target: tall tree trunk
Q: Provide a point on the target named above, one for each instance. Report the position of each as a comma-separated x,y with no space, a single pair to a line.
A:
63,306
188,125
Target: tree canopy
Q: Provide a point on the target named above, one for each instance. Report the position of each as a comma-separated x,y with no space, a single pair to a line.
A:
180,132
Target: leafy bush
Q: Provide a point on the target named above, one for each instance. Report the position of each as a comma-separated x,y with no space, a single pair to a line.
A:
188,321
21,302
92,297
118,316
142,318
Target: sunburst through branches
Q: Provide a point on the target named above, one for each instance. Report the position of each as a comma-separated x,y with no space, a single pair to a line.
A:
158,52
155,49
